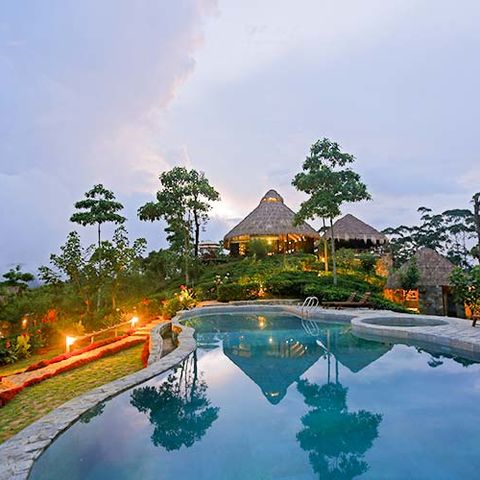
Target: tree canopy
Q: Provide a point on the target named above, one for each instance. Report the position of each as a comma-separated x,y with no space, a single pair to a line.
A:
448,233
183,202
330,182
99,206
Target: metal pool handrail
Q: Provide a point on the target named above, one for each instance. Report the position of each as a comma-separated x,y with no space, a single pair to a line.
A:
309,304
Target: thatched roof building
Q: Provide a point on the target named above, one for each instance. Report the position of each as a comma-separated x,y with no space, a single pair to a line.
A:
350,232
273,222
433,296
433,269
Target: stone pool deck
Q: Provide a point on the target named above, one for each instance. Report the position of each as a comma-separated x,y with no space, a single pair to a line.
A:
19,452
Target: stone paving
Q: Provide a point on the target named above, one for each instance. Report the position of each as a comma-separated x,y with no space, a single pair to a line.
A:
454,333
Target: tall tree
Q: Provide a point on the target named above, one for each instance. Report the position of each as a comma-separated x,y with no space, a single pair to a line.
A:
98,207
329,182
73,265
447,233
183,202
18,279
120,259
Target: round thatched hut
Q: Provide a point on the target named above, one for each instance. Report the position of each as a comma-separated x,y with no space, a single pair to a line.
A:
433,294
350,232
273,222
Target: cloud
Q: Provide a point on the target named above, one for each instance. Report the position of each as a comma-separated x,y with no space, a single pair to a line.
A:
84,87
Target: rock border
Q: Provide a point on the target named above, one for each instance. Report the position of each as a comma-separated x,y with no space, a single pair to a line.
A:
18,453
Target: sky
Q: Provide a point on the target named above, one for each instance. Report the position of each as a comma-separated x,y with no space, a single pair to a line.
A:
118,91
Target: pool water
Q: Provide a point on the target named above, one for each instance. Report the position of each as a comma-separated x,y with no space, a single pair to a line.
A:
264,398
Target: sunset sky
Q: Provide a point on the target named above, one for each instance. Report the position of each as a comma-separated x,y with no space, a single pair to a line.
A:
117,91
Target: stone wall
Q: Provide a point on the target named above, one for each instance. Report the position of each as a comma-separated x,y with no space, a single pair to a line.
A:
431,300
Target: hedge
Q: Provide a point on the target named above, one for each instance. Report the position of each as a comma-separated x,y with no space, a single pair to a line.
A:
228,292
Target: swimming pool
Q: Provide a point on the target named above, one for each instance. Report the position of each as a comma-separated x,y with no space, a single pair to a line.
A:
264,398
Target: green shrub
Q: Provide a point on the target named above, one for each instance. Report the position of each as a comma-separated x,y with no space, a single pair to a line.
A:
228,292
368,262
326,293
23,346
346,259
258,248
288,284
8,351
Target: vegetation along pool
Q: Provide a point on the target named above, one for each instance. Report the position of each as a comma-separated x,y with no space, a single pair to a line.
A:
265,398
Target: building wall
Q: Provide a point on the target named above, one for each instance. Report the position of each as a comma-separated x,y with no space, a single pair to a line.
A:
431,300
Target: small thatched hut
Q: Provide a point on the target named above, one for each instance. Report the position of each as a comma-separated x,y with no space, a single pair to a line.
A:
273,222
351,232
433,295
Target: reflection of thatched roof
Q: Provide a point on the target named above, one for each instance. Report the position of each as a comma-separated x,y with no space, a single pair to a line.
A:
271,217
273,367
355,353
351,228
434,270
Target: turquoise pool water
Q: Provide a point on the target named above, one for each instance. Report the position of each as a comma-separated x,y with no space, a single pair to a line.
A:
264,398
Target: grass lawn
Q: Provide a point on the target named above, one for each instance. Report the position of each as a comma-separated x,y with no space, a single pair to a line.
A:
37,400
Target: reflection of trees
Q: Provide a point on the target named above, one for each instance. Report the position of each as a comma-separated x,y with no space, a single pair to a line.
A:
89,415
437,359
178,409
335,438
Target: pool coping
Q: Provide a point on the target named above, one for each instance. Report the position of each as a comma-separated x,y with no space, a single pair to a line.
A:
18,453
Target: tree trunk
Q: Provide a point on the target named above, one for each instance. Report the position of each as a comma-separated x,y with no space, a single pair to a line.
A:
334,257
197,232
187,278
325,247
99,264
476,218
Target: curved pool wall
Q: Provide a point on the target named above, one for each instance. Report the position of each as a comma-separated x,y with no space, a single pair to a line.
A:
452,335
18,454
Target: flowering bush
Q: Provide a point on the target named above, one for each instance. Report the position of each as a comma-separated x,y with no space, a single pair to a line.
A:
13,349
180,301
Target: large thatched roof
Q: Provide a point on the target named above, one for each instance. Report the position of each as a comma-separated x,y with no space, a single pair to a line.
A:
271,217
350,227
434,270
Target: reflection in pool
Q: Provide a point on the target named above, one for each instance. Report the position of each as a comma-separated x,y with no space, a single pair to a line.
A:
262,398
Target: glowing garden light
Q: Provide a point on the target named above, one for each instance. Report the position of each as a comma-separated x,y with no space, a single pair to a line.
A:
134,321
69,341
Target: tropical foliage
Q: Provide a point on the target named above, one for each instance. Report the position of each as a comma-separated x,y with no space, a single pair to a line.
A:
329,182
450,233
